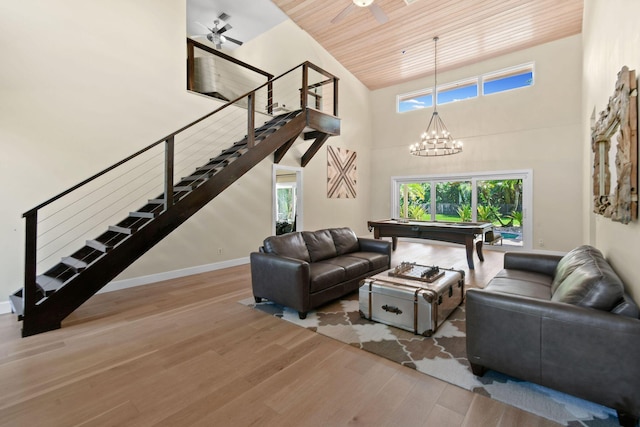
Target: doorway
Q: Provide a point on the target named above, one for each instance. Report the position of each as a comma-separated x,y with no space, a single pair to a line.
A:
287,199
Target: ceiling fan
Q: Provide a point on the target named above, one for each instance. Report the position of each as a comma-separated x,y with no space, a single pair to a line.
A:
215,34
377,12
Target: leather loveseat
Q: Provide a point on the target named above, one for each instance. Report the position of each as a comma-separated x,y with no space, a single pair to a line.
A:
564,322
303,270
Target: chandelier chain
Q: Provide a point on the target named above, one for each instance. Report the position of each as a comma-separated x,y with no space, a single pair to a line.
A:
436,140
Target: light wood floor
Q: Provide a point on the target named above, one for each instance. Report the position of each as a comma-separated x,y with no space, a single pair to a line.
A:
185,353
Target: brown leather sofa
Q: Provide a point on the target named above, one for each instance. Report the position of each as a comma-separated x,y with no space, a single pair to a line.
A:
304,270
564,322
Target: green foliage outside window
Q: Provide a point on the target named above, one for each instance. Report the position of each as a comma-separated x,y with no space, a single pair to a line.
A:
499,201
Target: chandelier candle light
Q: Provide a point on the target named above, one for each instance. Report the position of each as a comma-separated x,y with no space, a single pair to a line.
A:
436,140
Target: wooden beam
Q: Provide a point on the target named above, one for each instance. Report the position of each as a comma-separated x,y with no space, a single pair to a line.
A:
280,152
320,140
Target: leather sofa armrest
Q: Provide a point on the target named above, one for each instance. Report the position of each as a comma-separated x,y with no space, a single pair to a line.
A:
593,354
503,333
375,245
527,261
281,279
585,352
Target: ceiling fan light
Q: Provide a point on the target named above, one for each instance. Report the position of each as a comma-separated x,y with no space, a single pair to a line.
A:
363,3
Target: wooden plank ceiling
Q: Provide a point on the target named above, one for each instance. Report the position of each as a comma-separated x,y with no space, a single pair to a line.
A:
380,55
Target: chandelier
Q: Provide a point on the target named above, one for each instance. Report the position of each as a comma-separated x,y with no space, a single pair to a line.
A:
436,140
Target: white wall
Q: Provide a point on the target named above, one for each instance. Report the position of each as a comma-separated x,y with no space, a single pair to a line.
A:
534,128
281,49
611,40
85,84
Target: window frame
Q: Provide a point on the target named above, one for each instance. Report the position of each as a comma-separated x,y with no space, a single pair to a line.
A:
404,97
506,73
459,84
479,82
526,175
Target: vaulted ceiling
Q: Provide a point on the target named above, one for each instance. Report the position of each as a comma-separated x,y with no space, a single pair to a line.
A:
402,49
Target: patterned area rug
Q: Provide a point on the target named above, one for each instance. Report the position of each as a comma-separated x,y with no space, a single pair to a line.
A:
442,356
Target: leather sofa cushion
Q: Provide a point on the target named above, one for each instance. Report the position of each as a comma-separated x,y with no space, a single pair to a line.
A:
520,282
290,245
345,240
594,284
353,267
323,275
572,260
376,260
319,244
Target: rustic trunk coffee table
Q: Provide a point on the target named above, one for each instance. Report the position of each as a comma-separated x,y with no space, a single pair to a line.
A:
413,297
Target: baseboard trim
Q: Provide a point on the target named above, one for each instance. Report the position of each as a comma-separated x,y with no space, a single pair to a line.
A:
5,306
168,275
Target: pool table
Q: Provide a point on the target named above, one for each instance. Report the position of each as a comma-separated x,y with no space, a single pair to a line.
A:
464,233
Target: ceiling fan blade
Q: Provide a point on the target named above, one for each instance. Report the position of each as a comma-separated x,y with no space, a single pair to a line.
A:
204,26
225,28
339,17
378,13
238,42
224,17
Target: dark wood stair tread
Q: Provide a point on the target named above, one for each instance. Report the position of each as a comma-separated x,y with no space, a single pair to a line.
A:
106,241
17,303
129,225
152,209
76,264
49,283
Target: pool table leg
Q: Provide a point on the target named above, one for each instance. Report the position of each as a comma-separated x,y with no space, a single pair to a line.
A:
479,250
469,247
470,255
468,244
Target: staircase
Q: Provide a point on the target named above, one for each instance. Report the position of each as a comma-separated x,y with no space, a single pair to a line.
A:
47,298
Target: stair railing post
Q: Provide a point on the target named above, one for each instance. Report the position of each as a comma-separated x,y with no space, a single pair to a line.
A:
168,172
190,65
305,86
30,262
270,97
251,120
335,97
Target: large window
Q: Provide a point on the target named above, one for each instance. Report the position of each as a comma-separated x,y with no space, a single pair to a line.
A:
497,81
512,78
458,91
415,100
502,198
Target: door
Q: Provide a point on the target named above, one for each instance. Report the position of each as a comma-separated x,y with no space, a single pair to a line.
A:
287,199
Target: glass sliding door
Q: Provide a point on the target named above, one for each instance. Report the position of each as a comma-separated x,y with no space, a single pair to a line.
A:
453,201
500,202
415,201
502,198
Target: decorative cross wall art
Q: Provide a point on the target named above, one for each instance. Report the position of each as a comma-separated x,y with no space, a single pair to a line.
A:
341,173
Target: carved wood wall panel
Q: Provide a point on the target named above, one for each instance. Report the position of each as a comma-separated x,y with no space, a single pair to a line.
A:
614,142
